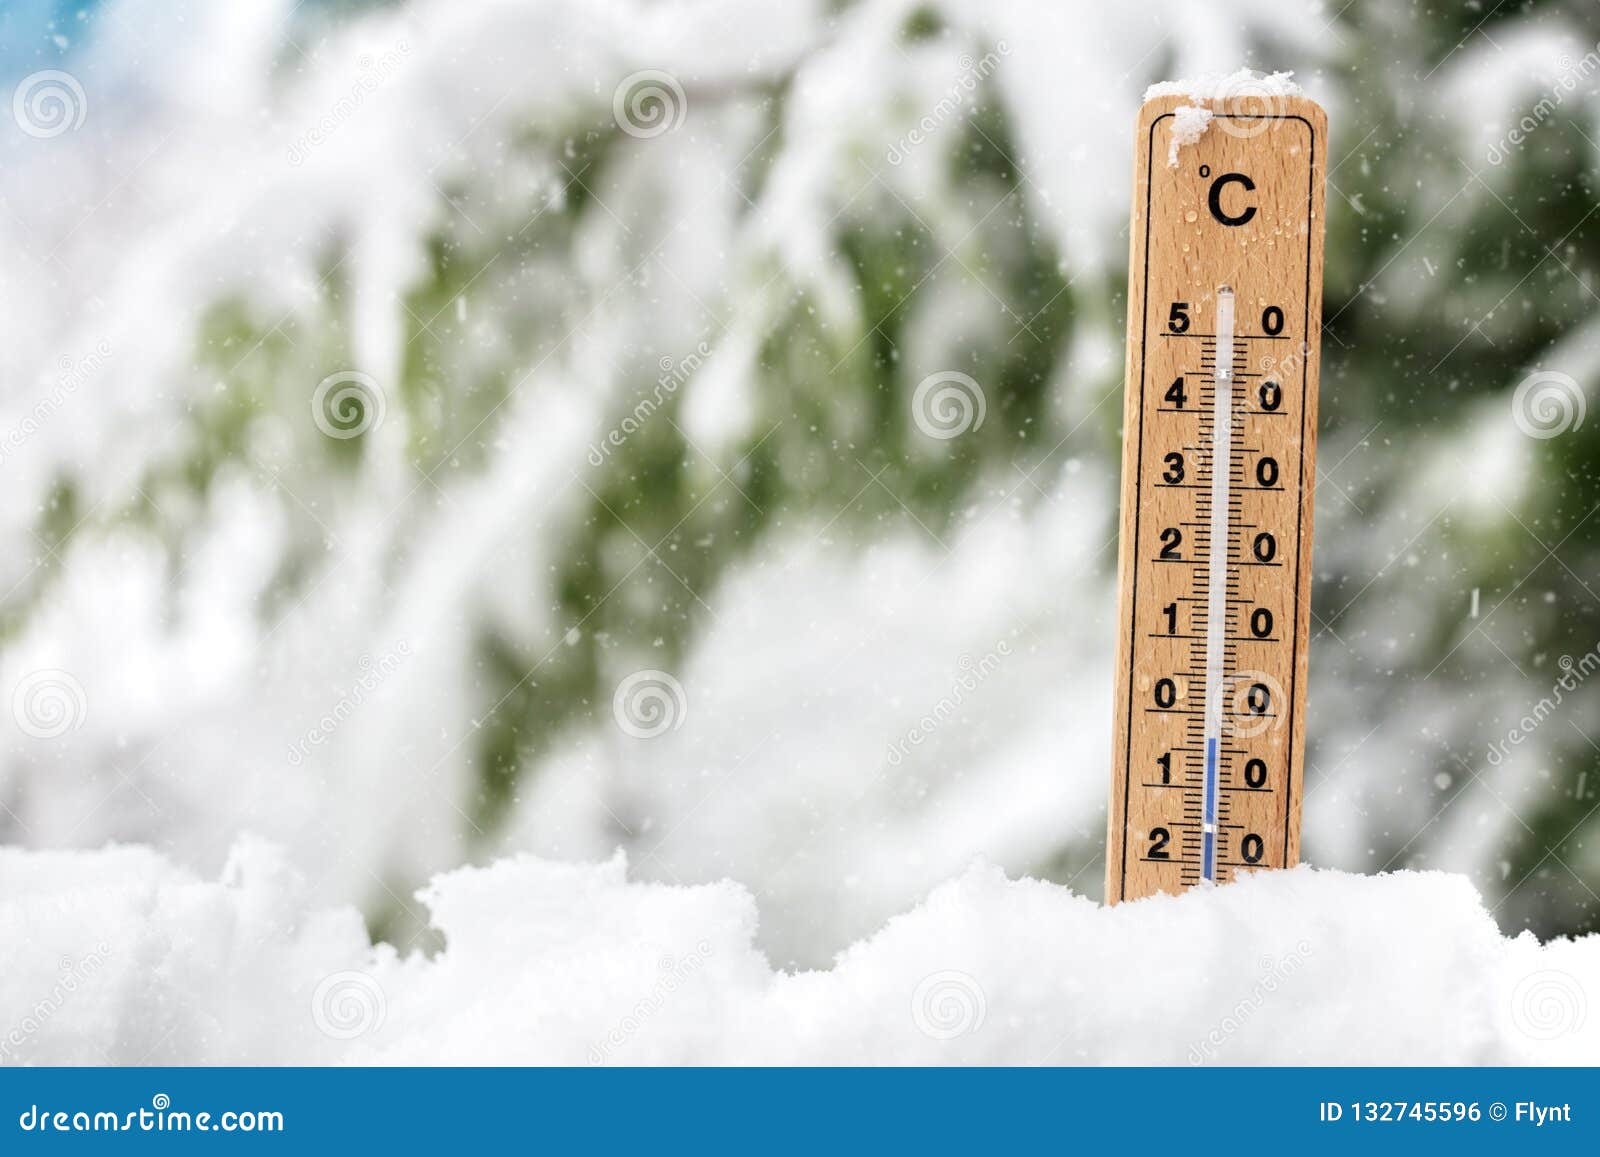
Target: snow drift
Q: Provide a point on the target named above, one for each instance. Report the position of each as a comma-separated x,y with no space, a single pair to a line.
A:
119,956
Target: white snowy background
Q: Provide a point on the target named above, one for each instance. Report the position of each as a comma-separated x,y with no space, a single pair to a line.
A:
273,682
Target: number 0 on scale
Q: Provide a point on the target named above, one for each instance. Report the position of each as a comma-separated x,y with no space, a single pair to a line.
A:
1218,468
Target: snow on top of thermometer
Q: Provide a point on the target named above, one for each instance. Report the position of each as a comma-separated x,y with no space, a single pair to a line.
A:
1191,121
1189,124
1243,82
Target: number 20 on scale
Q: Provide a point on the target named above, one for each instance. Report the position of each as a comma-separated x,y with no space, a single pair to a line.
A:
1224,319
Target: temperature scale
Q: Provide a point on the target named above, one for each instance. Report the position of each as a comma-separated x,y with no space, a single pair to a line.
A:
1218,469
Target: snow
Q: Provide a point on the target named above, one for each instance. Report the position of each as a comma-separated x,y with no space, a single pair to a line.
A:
1242,82
1189,124
1255,89
120,956
882,817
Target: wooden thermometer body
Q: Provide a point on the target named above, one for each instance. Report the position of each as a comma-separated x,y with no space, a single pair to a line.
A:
1218,470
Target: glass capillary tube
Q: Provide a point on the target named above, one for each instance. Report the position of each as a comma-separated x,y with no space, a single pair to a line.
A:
1217,574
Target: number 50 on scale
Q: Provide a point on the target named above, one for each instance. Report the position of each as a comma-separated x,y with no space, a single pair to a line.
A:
1218,468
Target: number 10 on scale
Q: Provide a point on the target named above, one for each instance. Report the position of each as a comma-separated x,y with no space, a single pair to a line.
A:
1224,316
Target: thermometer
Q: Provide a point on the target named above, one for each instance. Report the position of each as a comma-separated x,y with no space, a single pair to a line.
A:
1218,469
